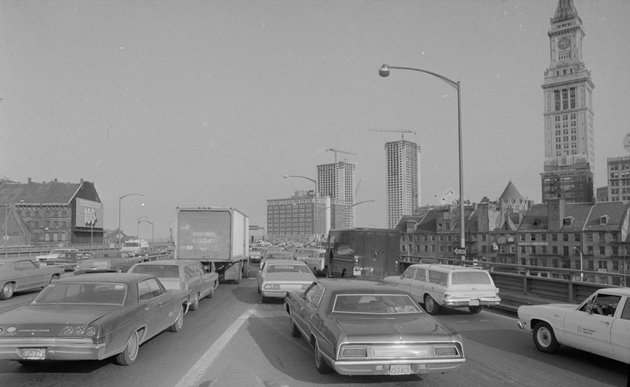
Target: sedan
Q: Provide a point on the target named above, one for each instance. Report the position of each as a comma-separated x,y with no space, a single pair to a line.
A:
600,324
21,274
279,276
275,255
367,328
91,317
187,276
66,258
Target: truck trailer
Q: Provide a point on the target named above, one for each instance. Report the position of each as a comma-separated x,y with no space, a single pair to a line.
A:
368,253
217,237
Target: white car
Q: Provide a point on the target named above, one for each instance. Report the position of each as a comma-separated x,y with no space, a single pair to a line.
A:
437,286
600,324
279,276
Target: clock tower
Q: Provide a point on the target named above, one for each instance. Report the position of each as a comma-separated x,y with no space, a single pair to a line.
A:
568,112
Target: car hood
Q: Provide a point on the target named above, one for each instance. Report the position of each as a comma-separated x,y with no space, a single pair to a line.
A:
394,279
298,277
406,327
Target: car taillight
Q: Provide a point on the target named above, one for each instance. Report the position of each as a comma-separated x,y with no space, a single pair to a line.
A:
271,286
354,352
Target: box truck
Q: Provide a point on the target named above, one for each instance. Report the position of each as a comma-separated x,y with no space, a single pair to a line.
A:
217,237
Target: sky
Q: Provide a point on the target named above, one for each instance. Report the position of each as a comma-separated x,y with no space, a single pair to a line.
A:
209,103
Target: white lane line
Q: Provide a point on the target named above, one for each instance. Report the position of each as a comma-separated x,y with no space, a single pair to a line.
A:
196,372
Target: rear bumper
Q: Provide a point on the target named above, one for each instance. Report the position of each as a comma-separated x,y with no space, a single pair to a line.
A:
55,348
486,301
384,367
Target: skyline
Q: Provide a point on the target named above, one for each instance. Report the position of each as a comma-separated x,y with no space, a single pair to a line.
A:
211,103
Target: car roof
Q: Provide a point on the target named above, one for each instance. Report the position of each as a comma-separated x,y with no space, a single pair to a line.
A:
172,262
621,291
362,286
127,278
284,262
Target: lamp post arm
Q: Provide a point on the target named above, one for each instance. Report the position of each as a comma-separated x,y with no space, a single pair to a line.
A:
452,83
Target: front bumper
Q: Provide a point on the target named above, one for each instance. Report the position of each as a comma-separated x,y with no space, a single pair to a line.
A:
54,348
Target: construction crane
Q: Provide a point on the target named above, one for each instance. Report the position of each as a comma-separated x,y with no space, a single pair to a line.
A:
402,132
339,151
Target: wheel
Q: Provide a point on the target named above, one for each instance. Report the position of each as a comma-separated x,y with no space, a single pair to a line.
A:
7,291
320,362
295,332
544,338
130,353
55,277
430,305
179,323
195,304
474,309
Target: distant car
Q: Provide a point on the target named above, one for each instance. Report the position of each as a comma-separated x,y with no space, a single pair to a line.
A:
437,286
600,324
188,276
279,276
107,264
255,256
280,254
91,317
359,327
135,247
66,258
22,274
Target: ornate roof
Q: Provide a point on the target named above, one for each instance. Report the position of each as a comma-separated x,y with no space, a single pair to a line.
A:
510,194
565,11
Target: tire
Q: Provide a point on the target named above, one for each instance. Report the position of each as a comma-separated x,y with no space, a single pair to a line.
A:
474,309
195,304
129,355
430,305
295,332
544,338
320,363
55,277
7,291
179,323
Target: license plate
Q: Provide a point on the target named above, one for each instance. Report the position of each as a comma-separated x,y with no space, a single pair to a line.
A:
400,369
33,353
474,303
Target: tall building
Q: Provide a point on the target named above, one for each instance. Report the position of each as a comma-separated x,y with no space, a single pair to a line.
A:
337,181
618,179
568,112
403,182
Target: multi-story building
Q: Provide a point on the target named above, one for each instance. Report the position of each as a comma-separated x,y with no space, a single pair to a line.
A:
602,194
304,217
556,239
337,181
568,112
403,181
50,212
618,178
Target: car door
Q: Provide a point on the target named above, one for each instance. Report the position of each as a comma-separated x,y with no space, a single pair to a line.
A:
589,327
405,280
307,306
29,275
193,278
157,310
620,333
207,280
416,287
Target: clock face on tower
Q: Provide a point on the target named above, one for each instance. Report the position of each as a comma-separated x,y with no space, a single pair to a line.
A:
564,43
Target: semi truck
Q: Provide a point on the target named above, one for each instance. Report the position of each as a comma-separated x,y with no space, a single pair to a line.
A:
368,253
217,237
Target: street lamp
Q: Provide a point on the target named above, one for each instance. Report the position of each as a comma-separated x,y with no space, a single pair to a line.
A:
364,201
307,178
119,209
384,72
581,264
143,219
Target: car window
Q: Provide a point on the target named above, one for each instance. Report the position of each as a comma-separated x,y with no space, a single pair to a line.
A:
160,271
374,304
409,273
470,278
420,275
190,271
438,277
287,269
83,293
25,265
602,304
149,289
625,315
314,294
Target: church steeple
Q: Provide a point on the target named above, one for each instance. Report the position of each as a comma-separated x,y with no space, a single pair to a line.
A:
565,10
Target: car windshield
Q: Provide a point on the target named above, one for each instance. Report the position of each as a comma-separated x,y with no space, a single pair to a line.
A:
470,277
374,304
160,271
287,269
82,293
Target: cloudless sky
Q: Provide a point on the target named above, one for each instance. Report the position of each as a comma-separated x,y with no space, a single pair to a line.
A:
210,103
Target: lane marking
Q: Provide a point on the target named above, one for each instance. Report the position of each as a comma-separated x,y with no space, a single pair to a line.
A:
196,372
